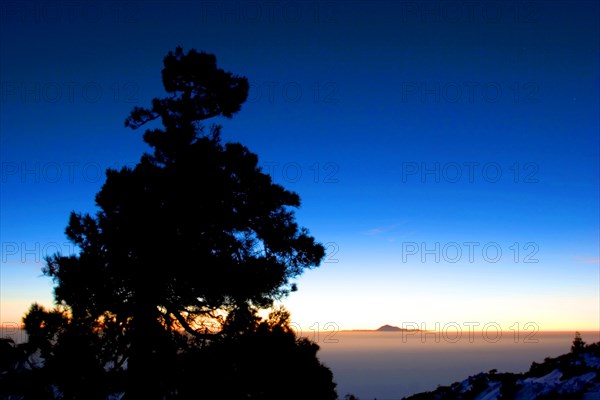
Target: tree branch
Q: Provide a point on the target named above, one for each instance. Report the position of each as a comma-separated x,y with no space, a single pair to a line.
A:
187,326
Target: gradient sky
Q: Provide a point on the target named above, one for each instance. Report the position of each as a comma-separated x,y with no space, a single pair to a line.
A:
423,138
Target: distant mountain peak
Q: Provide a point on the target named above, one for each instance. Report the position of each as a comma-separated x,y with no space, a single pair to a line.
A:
388,328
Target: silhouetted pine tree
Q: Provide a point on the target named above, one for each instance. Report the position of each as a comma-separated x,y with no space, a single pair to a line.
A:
578,343
162,300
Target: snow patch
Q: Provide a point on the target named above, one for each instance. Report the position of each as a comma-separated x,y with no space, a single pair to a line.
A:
552,378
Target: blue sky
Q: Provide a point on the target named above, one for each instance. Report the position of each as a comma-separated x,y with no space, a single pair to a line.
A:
423,139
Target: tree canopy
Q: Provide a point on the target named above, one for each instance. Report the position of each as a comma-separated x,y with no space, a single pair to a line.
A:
185,249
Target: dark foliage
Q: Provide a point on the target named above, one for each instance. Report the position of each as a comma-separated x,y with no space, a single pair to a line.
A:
161,302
